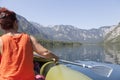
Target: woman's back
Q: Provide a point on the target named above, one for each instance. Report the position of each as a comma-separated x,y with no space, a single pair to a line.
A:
17,58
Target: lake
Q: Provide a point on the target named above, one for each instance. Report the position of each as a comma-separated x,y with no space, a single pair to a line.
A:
92,54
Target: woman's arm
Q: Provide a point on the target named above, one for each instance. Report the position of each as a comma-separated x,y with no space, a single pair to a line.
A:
39,49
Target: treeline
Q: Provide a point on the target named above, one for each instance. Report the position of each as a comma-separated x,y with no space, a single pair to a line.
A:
51,43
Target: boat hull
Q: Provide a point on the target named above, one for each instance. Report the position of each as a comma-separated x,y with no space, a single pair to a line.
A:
61,72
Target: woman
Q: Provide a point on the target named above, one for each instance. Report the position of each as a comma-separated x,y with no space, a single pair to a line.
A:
17,49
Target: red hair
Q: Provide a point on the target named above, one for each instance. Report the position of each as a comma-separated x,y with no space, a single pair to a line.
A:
7,18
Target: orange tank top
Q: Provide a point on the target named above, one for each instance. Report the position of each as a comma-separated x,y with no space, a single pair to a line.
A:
0,57
17,58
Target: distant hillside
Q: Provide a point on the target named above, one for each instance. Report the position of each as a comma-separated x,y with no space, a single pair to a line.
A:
28,27
70,33
113,36
65,32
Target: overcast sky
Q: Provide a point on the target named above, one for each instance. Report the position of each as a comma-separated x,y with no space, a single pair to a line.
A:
85,14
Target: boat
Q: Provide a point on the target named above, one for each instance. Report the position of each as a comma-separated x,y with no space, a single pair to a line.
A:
58,71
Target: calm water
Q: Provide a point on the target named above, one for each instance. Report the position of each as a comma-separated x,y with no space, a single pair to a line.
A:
92,54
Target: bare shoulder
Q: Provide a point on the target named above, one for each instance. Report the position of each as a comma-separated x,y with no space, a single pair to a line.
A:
0,41
33,39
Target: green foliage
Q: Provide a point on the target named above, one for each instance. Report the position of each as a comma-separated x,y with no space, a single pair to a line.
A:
51,43
114,41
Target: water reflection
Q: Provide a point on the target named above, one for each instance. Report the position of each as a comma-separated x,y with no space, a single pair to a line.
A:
113,53
99,53
84,52
92,53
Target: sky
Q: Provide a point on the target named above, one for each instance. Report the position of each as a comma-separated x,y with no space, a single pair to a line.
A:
84,14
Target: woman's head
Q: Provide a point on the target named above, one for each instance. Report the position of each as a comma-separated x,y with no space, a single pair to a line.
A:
7,19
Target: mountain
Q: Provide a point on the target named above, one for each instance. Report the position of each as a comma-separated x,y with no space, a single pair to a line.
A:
114,35
67,32
71,33
28,27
